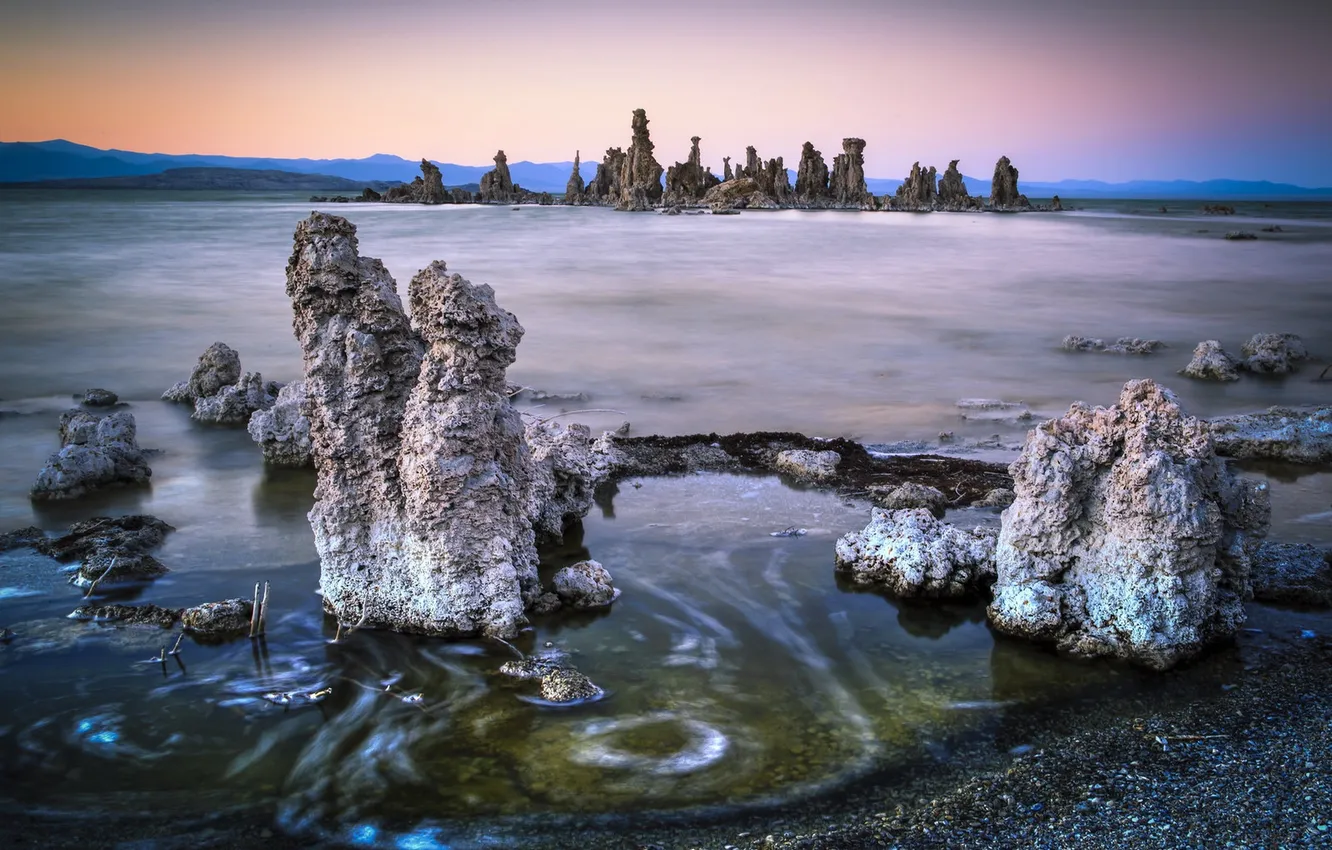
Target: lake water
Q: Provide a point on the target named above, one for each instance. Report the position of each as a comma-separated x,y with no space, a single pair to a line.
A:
738,672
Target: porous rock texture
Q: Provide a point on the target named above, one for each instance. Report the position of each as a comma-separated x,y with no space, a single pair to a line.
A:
848,177
586,584
1211,363
235,404
1004,194
1295,434
909,553
98,397
282,431
910,495
1292,574
1123,345
1129,537
808,465
95,451
228,618
640,173
562,477
424,514
218,366
687,182
1274,354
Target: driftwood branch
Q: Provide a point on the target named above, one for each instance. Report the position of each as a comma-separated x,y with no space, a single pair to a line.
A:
105,573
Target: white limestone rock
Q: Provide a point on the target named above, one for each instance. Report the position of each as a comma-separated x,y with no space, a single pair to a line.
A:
909,553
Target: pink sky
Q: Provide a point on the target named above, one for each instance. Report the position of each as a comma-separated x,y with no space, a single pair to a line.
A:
1067,90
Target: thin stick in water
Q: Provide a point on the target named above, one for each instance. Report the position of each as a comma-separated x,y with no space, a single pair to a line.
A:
263,611
105,573
254,612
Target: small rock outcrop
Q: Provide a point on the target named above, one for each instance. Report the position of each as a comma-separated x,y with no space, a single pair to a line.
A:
564,464
559,682
909,553
605,188
811,188
1292,574
424,516
953,191
919,192
1004,194
432,188
428,188
1123,345
586,584
640,174
127,615
110,549
100,398
228,618
1211,363
807,465
1274,354
1129,537
740,193
847,185
689,181
221,395
95,451
1294,434
497,186
282,431
910,496
573,190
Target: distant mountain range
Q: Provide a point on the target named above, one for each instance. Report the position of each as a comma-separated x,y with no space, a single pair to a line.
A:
28,162
215,178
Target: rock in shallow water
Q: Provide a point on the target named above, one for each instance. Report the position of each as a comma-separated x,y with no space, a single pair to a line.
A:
1129,536
282,431
132,615
228,618
100,398
909,553
910,495
586,584
425,508
1295,434
1292,574
808,465
96,451
1274,354
1211,363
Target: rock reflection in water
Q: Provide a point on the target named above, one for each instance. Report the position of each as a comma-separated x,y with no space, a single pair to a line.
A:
735,671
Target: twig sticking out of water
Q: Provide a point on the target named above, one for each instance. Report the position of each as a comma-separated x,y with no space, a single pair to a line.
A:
576,412
175,650
263,612
516,651
254,612
1322,376
365,612
105,573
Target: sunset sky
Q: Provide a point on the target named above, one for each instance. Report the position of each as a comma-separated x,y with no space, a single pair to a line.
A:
1107,90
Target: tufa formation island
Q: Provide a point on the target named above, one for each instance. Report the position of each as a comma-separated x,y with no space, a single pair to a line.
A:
631,180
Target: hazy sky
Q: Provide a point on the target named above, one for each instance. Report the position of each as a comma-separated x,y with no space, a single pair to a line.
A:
1077,89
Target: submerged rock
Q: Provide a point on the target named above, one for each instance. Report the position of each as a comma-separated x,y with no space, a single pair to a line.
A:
808,465
1211,363
100,398
1004,194
909,553
586,584
228,618
909,496
282,431
1274,354
1295,434
96,451
1292,574
1082,343
1129,537
1134,345
131,615
108,566
424,516
30,537
568,685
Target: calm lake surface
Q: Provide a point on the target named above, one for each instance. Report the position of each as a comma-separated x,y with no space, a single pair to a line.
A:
738,672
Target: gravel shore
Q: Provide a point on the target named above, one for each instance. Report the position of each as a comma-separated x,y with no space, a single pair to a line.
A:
1233,751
